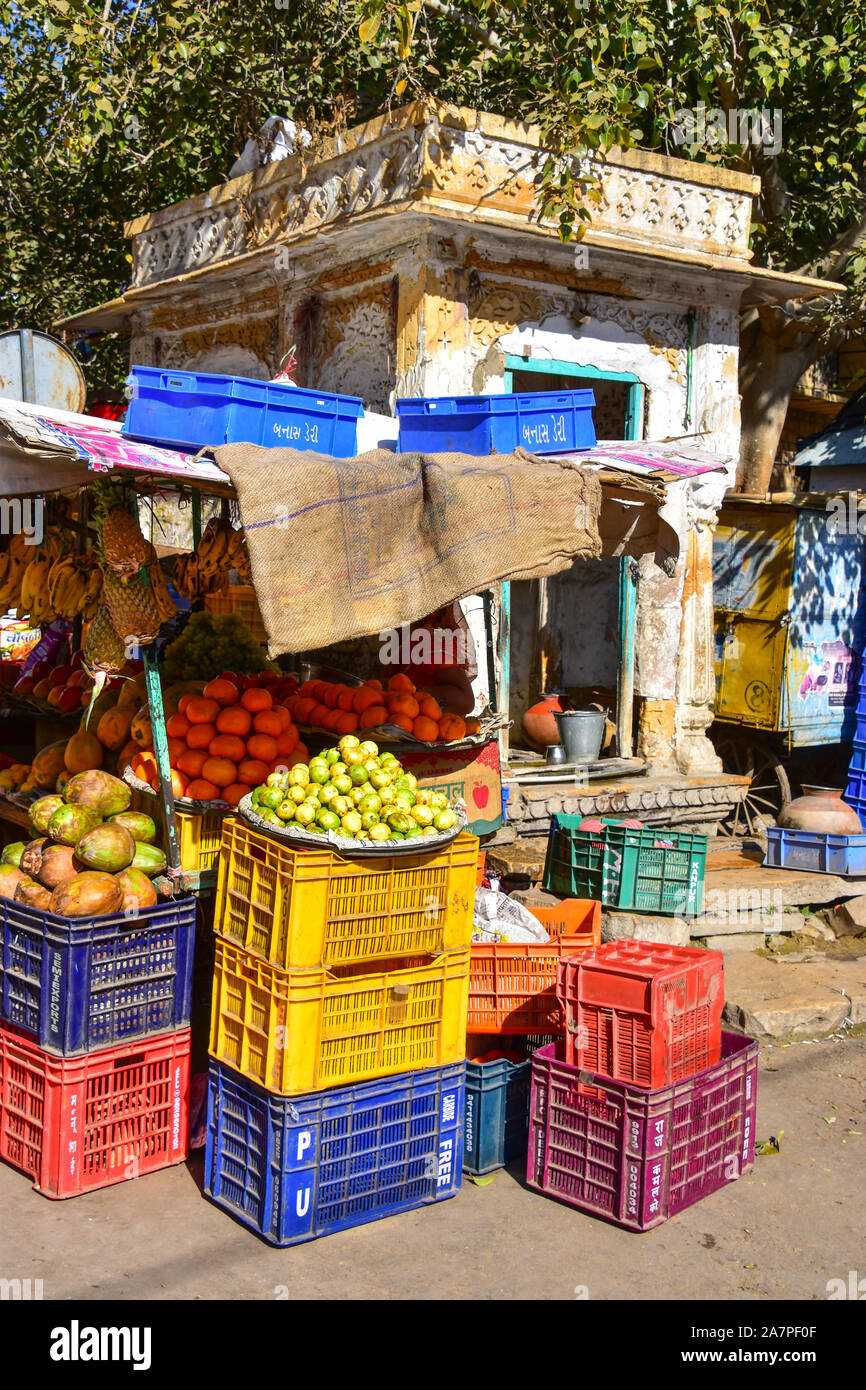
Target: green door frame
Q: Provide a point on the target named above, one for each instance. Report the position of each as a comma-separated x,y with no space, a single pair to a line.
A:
627,571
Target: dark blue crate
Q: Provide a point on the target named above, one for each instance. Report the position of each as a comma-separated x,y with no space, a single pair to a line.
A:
191,410
818,854
293,1169
77,984
543,422
858,756
497,1114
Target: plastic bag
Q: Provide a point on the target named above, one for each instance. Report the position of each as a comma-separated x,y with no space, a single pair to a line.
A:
498,918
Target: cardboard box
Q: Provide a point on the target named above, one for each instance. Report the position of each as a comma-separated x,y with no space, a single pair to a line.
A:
468,774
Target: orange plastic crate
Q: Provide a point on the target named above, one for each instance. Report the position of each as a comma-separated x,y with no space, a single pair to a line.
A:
511,987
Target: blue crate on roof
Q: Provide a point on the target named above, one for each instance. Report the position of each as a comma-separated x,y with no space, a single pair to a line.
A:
293,1169
542,422
194,410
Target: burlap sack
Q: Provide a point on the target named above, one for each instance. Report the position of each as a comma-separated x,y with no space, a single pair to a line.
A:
346,547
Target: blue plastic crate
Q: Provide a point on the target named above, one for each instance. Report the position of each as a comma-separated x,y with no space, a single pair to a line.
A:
295,1169
818,854
858,756
543,422
497,1114
189,410
77,984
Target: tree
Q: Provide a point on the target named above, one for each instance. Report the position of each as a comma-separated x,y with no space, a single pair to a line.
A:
112,109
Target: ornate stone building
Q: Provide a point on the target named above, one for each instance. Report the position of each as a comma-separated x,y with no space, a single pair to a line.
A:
406,258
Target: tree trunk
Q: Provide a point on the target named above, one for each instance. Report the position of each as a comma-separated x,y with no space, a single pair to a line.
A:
772,360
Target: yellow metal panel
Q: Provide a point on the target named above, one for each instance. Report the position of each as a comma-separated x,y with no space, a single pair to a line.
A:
750,669
753,560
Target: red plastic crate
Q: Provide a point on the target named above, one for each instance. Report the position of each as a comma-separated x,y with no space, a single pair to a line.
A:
639,1012
512,986
637,1157
74,1124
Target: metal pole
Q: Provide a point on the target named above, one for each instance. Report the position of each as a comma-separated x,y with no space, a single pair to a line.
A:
487,601
28,367
163,764
504,663
625,665
196,518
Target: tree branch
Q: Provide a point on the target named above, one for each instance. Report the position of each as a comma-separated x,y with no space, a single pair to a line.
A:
488,37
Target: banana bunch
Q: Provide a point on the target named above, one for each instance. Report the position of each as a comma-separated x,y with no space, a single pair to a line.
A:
74,587
33,599
13,563
212,548
237,556
187,578
206,571
158,585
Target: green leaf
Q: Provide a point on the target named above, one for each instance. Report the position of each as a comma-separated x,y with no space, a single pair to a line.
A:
368,30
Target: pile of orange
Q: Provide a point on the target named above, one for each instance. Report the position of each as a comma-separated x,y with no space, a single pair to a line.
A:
344,709
223,743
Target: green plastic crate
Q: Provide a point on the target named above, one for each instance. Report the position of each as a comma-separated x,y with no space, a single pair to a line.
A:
653,870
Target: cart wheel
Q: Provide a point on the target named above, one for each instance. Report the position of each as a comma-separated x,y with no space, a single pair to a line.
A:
769,790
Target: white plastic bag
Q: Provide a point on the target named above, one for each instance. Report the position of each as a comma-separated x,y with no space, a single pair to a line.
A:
498,918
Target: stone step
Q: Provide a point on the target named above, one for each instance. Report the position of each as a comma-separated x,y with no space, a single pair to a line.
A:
803,994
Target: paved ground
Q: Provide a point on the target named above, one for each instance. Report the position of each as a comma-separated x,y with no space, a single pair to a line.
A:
783,1231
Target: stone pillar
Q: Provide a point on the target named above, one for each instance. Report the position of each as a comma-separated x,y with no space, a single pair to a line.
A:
696,678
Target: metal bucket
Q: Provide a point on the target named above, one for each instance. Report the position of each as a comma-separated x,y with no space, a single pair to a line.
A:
581,732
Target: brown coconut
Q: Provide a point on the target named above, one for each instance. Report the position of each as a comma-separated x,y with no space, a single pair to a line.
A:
10,877
90,894
31,860
105,794
58,864
33,895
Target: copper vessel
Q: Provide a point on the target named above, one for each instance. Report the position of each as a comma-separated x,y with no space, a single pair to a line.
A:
822,811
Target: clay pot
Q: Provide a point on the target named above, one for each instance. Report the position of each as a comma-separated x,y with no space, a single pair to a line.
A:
539,724
821,810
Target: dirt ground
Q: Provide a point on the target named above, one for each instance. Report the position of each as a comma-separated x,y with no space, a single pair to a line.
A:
782,1231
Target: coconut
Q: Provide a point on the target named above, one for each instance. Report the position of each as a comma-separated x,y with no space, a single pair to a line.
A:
12,853
138,891
89,894
140,826
99,790
41,812
150,859
31,860
33,895
10,877
70,823
108,847
58,864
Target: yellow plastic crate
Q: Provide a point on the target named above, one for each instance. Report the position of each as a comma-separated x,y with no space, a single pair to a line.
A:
304,1030
199,837
240,601
304,909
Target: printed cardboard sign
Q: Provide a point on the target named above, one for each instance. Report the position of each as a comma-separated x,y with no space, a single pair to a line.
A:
470,774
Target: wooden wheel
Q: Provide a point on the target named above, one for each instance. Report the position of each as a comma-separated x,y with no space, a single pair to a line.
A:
769,788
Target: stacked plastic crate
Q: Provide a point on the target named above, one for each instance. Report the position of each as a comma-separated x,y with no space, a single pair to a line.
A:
855,791
646,1105
94,1044
337,1072
512,1008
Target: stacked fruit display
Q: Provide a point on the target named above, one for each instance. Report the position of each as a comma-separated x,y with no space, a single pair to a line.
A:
355,791
225,741
91,854
68,686
345,709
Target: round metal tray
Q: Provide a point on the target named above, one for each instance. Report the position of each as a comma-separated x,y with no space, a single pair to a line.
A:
419,844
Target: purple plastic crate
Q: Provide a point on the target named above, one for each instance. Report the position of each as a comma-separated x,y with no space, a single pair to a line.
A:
634,1156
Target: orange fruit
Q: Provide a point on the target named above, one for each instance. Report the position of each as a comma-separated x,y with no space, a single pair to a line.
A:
473,726
287,742
201,790
284,716
375,714
261,746
345,699
227,746
267,721
183,702
234,720
176,749
234,791
303,709
347,723
256,699
430,707
253,771
318,715
426,729
402,721
221,771
201,711
404,704
143,764
222,691
401,683
451,726
192,761
179,782
178,726
200,735
331,720
364,697
376,684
